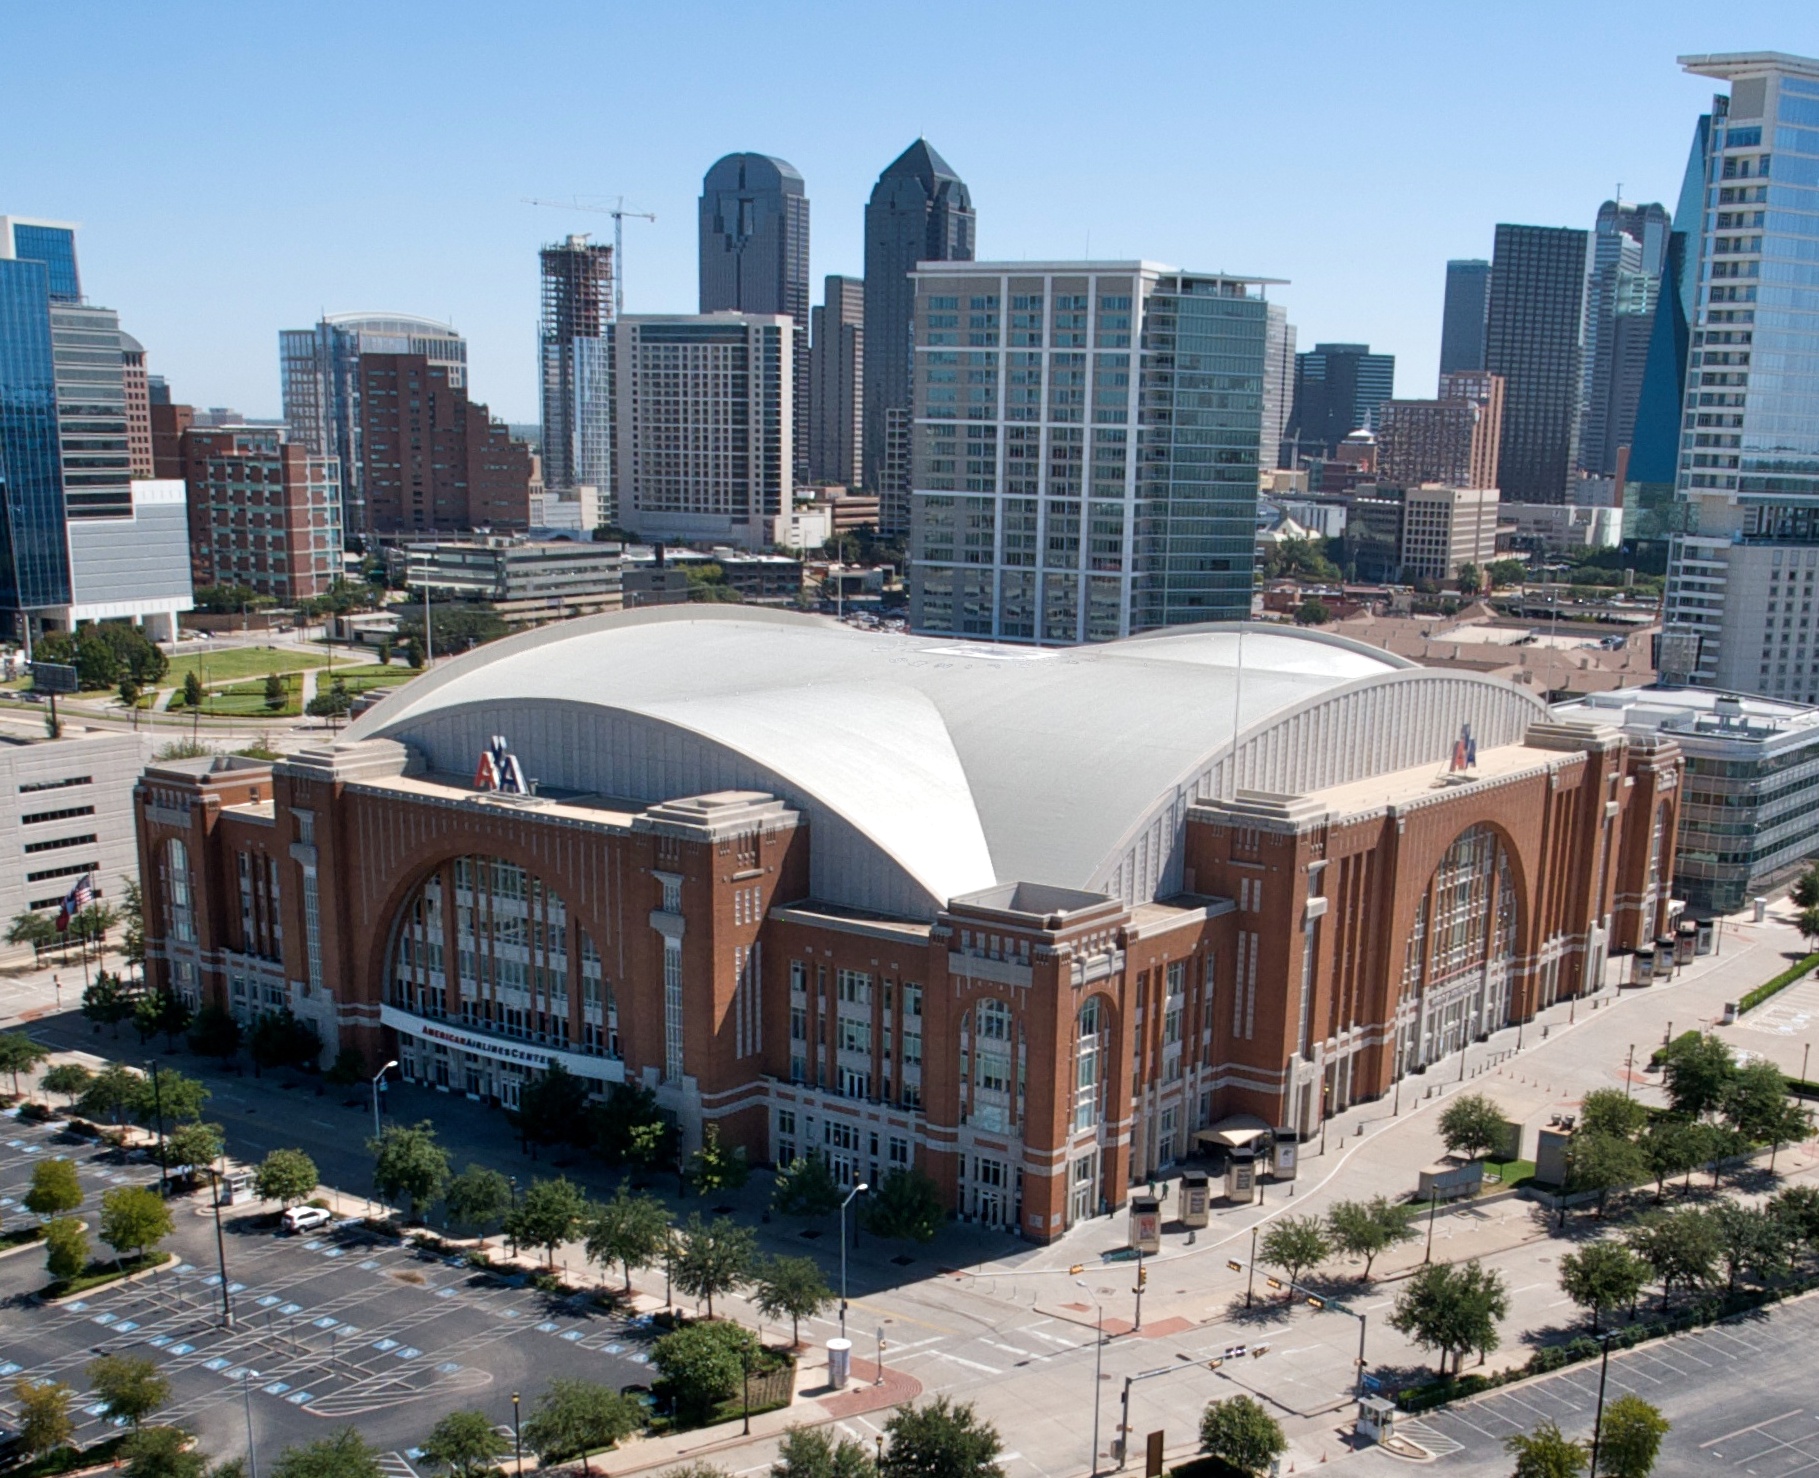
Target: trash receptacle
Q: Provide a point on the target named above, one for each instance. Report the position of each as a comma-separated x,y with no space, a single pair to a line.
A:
1284,1154
1146,1224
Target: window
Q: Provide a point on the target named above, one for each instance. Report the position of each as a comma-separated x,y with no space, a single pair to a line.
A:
179,911
672,892
855,987
855,1035
1089,1048
672,1010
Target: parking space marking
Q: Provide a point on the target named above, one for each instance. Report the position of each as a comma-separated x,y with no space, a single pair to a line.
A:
1754,1427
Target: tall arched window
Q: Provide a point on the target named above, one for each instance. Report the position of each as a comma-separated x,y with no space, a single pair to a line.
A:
1089,1064
1458,962
179,900
992,1066
502,939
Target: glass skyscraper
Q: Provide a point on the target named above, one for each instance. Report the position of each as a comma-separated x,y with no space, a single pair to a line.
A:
1741,575
1468,287
1532,338
1085,448
572,352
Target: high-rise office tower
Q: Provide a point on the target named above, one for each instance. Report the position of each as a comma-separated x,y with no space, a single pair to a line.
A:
836,383
919,211
703,424
754,256
1085,448
1537,300
1629,249
572,353
1278,390
1452,440
1468,286
320,373
1485,391
1740,601
138,407
1338,388
436,460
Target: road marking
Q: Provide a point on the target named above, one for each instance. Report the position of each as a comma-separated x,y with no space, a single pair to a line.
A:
969,1364
1008,1349
1755,1428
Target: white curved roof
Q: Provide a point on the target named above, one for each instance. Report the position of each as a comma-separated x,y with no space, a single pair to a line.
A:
965,764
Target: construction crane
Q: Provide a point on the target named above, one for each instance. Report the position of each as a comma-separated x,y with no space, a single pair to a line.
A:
618,212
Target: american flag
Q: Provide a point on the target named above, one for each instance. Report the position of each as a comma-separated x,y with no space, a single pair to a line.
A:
78,898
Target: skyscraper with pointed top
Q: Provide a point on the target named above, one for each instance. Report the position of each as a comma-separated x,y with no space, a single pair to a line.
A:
920,211
754,258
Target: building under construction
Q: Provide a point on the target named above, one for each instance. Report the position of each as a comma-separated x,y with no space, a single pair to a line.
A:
576,366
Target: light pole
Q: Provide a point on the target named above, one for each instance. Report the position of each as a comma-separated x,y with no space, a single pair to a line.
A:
858,1190
227,1297
1098,1365
1433,1200
1629,1073
1604,1365
246,1398
158,1103
378,1078
517,1436
1250,1270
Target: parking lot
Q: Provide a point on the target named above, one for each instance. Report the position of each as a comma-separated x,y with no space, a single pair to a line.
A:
1742,1396
328,1329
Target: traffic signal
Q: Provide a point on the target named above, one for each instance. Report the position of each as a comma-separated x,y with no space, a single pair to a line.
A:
1275,1283
1234,1264
1143,1277
1215,1362
1315,1301
1257,1350
1077,1269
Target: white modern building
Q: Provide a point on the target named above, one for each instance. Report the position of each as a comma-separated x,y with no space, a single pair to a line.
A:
1085,448
703,418
133,568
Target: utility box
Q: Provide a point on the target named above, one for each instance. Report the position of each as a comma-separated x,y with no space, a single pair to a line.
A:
839,1363
1376,1419
1642,967
1146,1224
1706,937
1284,1154
1664,957
1450,1178
1241,1176
1550,1157
1191,1199
1686,942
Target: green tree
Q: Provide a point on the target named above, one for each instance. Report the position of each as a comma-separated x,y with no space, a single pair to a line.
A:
1807,922
409,1163
716,1167
1750,1238
1697,1072
1313,612
476,1198
132,914
112,1094
1681,1247
344,1455
193,695
36,929
1630,1438
632,1229
20,1054
1294,1244
1546,1453
197,1145
465,1444
1796,1209
940,1439
134,1219
552,1107
55,1190
547,1215
413,652
67,1078
1367,1228
816,1452
215,1033
105,1002
129,1386
128,693
277,694
576,1417
65,1248
805,1187
907,1205
348,1068
163,1452
1671,1147
1472,1125
1452,1309
332,702
791,1288
1601,1276
1506,572
285,1176
701,1364
1601,1163
1612,1111
1239,1431
712,1257
1805,891
44,1420
279,1039
1756,1106
175,1097
614,1126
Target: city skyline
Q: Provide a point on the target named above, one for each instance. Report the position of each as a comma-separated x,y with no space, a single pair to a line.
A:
1042,191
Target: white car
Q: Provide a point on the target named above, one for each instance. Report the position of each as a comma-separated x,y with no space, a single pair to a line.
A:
306,1218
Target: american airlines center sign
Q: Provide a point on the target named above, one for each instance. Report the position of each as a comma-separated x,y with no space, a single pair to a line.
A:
499,1049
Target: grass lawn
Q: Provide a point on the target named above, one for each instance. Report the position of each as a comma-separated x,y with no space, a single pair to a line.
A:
98,1274
247,700
1508,1172
232,663
371,675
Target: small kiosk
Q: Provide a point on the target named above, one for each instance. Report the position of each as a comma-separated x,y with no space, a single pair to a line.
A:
1241,1176
1191,1199
1146,1224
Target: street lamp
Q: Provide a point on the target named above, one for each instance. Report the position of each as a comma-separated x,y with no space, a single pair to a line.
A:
1604,1365
858,1190
378,1078
246,1399
1098,1365
517,1436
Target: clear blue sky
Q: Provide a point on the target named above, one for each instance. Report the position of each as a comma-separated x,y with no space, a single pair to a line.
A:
237,168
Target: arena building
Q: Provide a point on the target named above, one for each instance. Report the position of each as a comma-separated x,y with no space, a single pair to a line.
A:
1037,920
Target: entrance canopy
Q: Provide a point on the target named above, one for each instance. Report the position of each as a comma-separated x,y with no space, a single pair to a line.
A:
1234,1133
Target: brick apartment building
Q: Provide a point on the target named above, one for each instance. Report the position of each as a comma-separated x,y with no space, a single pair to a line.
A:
431,458
263,512
1038,923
